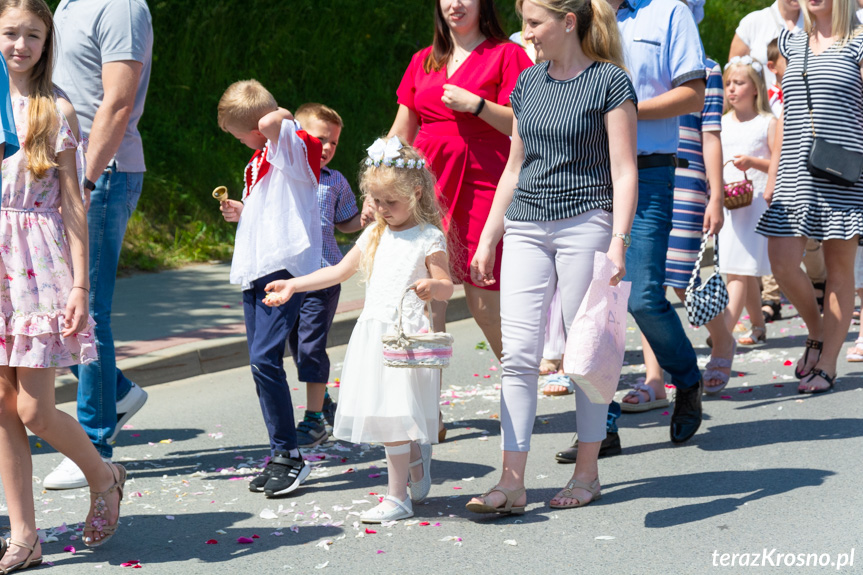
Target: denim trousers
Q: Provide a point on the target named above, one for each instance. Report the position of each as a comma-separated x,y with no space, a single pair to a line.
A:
100,383
267,330
645,268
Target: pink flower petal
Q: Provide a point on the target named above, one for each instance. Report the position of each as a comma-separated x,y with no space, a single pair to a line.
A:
370,531
244,540
69,549
212,542
726,397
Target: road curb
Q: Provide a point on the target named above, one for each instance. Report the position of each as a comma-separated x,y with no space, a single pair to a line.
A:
220,354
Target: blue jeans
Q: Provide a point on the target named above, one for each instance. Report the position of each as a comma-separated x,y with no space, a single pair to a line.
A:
645,268
100,383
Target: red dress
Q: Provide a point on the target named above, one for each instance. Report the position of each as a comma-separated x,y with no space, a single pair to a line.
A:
465,153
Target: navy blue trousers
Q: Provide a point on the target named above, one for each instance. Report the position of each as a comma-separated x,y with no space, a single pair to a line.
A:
267,329
308,338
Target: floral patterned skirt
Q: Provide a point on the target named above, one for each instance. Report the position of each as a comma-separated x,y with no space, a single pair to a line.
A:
35,282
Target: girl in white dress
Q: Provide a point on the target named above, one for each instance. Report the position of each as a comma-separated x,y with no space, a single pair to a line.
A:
406,246
748,127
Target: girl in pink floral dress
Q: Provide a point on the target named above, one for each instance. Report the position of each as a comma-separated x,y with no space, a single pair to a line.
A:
44,286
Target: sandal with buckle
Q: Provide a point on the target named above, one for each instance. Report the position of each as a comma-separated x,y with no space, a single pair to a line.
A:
813,390
98,524
642,406
810,345
711,372
506,509
560,380
751,338
593,488
28,561
855,354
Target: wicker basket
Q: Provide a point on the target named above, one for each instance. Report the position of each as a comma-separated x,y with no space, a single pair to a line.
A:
739,194
429,350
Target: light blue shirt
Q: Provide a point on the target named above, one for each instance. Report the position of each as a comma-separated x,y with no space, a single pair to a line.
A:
662,50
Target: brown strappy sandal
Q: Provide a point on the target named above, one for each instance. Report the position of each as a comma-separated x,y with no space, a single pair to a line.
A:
593,489
506,509
98,524
26,563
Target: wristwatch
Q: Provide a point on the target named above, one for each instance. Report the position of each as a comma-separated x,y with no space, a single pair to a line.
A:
89,185
627,239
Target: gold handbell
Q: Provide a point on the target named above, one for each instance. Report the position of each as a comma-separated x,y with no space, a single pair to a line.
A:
221,193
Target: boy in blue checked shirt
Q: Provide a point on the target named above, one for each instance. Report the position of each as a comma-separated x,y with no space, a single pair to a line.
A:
308,338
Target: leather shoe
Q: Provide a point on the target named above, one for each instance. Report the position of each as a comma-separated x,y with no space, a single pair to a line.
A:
686,418
610,446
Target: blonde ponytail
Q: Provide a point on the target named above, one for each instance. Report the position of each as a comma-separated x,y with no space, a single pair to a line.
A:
602,40
596,24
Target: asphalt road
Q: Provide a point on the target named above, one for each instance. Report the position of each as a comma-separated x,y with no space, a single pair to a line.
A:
769,473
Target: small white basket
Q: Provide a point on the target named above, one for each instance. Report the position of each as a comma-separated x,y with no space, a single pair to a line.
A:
430,350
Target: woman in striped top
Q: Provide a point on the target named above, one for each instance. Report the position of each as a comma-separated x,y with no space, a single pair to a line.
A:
565,189
806,206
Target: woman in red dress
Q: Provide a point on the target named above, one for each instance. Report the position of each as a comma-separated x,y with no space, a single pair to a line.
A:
454,106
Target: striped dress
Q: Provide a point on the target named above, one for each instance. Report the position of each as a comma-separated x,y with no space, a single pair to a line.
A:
804,205
690,184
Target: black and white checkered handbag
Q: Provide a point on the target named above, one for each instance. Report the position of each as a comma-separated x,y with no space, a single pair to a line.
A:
705,302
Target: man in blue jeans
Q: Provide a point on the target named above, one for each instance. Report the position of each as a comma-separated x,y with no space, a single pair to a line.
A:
103,65
666,62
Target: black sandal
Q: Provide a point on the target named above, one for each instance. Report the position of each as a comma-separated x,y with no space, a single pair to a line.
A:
772,311
823,375
810,344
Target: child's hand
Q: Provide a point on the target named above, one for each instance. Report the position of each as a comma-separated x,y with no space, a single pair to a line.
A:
425,288
279,292
367,216
76,313
231,210
743,163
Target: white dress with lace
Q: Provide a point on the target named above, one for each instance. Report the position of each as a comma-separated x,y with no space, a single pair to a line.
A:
384,404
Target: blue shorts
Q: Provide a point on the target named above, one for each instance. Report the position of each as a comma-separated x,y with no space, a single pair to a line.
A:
308,338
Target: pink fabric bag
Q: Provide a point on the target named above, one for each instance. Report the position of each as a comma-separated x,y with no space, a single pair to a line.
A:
597,336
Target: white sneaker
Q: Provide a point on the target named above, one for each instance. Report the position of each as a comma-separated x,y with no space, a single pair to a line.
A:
66,476
127,407
380,513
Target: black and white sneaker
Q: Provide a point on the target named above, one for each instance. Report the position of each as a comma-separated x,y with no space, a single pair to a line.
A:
257,484
286,474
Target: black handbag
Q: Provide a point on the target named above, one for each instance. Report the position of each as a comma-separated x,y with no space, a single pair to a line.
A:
828,160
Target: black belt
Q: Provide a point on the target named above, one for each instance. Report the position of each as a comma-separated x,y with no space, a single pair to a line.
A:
660,161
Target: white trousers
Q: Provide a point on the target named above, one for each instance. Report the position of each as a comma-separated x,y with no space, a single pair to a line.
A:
537,256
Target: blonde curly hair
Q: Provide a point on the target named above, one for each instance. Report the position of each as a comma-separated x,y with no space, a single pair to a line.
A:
403,183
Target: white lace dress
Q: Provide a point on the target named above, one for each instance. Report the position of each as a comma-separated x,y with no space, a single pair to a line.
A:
742,250
384,404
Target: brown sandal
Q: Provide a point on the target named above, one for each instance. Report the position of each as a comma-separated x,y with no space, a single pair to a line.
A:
98,524
28,561
593,489
506,509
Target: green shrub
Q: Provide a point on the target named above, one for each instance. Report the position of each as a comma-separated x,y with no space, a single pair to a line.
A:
348,54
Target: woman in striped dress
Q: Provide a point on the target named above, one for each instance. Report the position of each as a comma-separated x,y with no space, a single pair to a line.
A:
553,206
806,206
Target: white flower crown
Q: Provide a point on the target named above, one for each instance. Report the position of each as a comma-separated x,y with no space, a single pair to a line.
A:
386,152
745,61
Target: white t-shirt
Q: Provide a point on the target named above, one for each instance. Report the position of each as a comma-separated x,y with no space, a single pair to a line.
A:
280,227
758,28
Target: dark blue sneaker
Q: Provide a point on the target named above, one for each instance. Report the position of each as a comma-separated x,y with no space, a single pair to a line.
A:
311,433
329,411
